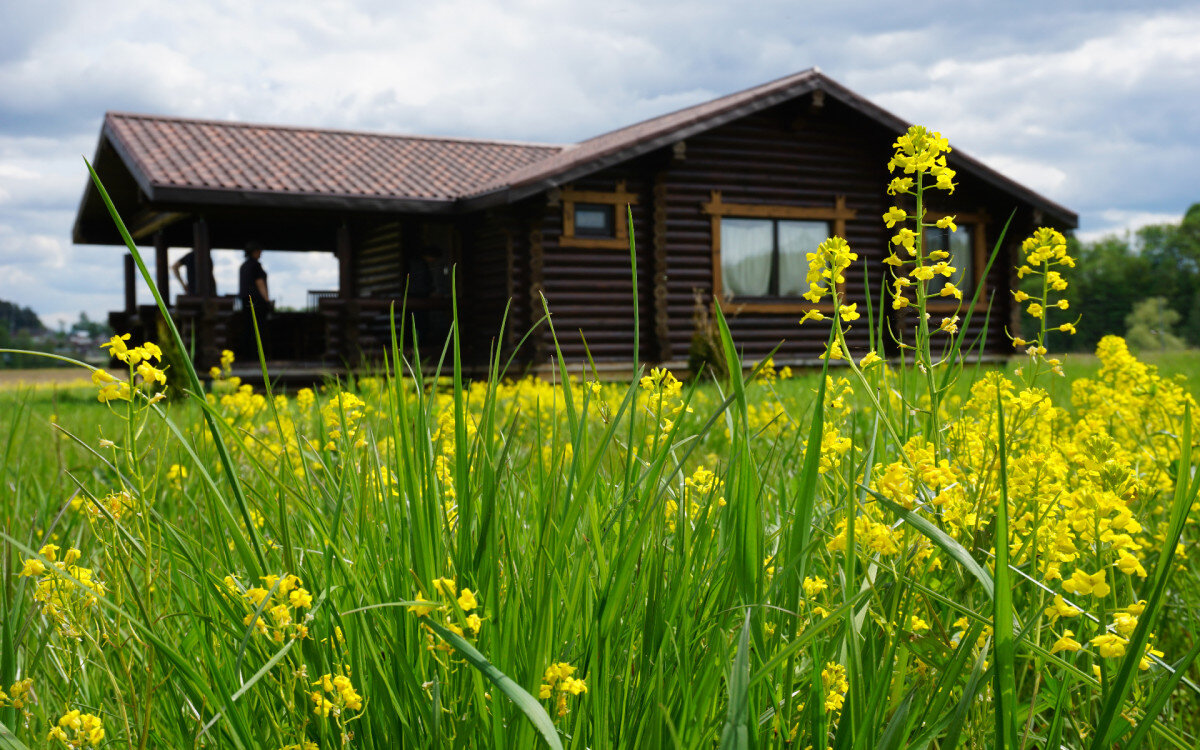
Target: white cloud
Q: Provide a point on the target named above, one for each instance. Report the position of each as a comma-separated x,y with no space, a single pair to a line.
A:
1123,223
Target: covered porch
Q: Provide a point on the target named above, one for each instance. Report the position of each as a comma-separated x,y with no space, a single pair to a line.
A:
336,329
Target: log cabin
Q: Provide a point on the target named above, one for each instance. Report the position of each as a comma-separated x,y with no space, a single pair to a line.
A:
726,197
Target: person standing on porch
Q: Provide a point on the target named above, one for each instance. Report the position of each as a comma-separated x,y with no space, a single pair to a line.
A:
252,292
188,282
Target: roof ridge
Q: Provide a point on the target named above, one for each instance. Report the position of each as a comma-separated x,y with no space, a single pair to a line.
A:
116,114
734,95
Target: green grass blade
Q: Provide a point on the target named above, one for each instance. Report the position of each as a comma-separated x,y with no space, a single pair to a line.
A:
8,741
1003,644
517,694
941,539
736,733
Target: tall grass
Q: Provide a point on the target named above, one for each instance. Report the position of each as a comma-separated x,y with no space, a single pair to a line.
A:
857,558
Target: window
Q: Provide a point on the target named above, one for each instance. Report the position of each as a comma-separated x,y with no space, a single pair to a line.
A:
768,257
760,251
594,220
961,246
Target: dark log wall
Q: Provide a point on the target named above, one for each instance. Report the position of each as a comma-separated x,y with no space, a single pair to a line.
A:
590,290
494,273
380,261
790,155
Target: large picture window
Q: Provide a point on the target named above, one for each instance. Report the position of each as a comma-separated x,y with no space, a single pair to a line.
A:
760,251
961,247
768,257
968,255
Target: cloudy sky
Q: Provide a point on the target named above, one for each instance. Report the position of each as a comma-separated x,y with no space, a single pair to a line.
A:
1093,103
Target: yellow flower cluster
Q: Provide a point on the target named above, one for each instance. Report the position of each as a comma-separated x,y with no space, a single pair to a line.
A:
1044,252
113,505
826,269
66,591
139,361
920,151
465,603
662,400
835,684
335,696
559,681
701,485
282,599
77,730
343,411
19,695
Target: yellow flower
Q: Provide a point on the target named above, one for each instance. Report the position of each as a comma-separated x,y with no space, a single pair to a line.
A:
116,346
869,359
467,600
900,185
1084,583
906,238
834,351
150,374
1066,643
894,215
814,586
947,222
1061,609
812,314
1110,646
949,325
849,313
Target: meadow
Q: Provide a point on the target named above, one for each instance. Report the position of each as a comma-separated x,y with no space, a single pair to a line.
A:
876,554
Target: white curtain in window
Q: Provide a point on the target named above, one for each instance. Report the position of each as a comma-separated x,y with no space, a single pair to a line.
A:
746,256
796,240
962,257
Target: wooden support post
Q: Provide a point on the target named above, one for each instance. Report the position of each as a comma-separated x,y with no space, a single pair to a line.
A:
347,283
348,292
130,284
207,353
203,251
161,272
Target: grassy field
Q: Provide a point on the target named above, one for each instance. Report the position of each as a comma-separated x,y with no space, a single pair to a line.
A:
646,562
929,556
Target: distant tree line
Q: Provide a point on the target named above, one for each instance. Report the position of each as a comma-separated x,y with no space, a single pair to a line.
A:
20,328
1145,287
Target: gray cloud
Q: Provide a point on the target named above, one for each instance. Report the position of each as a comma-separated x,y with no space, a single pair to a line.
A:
1092,103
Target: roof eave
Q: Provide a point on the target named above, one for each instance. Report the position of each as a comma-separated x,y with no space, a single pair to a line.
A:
170,195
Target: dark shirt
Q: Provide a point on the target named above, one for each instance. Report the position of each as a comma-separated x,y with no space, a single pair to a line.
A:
189,272
248,292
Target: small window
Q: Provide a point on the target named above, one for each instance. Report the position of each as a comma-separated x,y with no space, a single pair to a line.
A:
768,257
594,220
961,246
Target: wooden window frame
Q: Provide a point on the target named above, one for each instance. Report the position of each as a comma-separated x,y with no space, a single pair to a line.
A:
978,222
716,208
618,199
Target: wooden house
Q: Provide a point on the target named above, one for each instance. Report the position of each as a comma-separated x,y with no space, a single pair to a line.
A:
726,198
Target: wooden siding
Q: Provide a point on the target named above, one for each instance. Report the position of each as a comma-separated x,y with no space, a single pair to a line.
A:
590,290
494,276
793,156
379,257
786,156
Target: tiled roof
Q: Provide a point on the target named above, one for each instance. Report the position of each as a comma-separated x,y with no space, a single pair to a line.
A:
205,160
171,152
